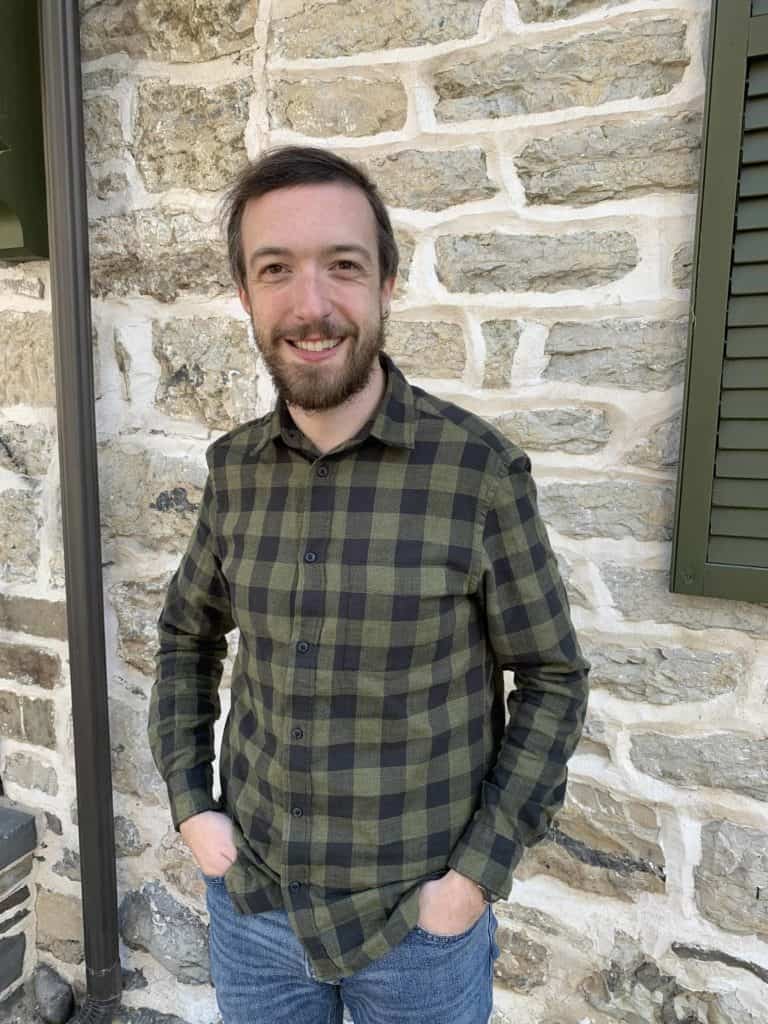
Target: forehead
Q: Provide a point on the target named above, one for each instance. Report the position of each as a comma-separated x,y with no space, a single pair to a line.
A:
307,215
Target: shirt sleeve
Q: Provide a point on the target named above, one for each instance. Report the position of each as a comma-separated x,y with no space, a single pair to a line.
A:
184,705
529,629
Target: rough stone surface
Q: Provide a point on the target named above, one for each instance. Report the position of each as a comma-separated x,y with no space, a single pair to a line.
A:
734,866
190,137
137,604
68,866
167,29
178,866
501,339
33,615
661,675
133,770
547,263
27,284
351,106
576,594
159,253
29,665
405,248
716,956
103,130
207,371
429,349
575,430
10,716
613,161
105,185
646,355
152,920
313,28
19,539
609,508
54,997
60,926
53,823
643,594
142,1015
148,496
660,449
422,180
722,759
641,58
128,841
682,265
601,844
26,359
32,773
523,964
549,10
26,448
27,719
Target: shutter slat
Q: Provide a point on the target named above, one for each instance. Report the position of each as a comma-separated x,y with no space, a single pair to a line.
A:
745,373
744,465
746,435
753,181
755,149
751,213
759,7
758,77
738,551
756,113
751,247
746,342
740,493
744,404
739,522
748,311
751,279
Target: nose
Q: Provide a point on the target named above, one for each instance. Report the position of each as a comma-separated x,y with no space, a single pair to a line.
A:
310,296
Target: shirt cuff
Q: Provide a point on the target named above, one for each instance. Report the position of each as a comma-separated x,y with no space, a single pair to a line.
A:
190,792
487,858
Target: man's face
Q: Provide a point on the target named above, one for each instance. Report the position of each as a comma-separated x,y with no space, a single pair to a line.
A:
313,290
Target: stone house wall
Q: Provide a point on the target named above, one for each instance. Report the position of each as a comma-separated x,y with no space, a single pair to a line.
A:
541,159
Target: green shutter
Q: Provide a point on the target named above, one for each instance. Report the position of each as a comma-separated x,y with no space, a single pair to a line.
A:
721,529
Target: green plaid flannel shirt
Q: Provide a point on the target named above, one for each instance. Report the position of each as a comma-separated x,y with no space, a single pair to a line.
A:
379,591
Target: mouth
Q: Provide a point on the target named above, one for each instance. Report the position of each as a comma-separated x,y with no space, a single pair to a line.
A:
314,350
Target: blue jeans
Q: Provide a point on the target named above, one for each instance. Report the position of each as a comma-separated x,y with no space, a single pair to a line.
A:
262,974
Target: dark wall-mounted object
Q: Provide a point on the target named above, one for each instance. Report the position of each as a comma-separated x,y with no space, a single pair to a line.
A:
23,222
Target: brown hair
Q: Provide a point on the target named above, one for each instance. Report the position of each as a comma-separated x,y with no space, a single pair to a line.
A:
300,165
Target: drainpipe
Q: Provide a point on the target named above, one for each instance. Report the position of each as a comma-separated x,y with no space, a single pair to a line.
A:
71,301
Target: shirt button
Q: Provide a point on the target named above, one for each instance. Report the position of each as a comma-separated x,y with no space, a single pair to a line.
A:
294,886
322,471
297,812
302,646
298,734
310,556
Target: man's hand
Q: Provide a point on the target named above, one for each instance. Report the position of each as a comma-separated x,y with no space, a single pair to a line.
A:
450,905
209,836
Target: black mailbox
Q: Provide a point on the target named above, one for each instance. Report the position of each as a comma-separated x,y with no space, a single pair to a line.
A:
23,220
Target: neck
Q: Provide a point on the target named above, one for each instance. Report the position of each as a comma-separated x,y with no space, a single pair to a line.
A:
328,428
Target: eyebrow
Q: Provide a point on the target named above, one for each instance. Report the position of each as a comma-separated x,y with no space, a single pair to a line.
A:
331,250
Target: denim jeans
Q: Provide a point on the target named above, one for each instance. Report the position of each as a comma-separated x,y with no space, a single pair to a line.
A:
262,974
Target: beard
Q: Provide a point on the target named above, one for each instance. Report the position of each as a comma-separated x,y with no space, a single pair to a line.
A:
315,388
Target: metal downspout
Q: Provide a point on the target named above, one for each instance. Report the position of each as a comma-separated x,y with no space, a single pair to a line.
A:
71,301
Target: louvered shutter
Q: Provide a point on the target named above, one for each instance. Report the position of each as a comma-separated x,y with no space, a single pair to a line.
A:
721,530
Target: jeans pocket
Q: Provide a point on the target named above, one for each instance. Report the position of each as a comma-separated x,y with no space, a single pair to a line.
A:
212,879
448,940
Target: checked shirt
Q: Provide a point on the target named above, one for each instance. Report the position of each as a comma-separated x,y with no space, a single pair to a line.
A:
379,591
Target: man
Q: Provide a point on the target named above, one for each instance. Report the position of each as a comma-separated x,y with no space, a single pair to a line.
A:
381,554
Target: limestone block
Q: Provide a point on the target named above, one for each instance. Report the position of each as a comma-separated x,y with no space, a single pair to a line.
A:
613,161
207,370
178,866
682,265
660,449
352,105
405,248
26,448
646,355
152,920
148,496
643,594
643,57
26,664
601,843
128,841
158,253
68,866
26,359
609,508
60,925
137,604
32,773
53,995
171,30
38,716
722,759
12,951
189,136
19,538
576,595
422,180
27,283
501,340
734,865
103,130
10,716
333,28
33,615
546,10
428,349
133,770
105,185
546,263
523,964
565,429
661,675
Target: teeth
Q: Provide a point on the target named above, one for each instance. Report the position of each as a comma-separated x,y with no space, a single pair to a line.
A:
316,346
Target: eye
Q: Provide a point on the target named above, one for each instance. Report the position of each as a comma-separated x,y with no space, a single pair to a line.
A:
272,269
347,266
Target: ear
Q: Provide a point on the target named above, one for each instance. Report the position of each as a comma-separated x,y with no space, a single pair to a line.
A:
245,302
385,298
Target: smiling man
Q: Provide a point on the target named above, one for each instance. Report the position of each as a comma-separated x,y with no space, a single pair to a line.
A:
380,552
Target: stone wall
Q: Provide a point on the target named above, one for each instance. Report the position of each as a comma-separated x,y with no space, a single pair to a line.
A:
541,162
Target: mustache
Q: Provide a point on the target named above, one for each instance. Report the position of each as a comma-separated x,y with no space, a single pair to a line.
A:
324,329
